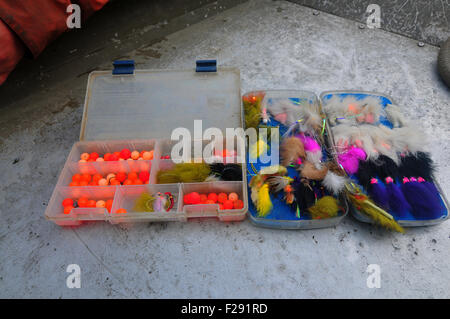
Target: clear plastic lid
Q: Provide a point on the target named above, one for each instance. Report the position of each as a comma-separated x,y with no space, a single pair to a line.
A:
152,103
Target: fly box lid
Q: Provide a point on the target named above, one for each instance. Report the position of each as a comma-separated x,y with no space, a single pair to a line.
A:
143,104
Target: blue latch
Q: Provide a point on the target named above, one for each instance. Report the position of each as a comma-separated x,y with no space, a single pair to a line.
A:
206,66
123,67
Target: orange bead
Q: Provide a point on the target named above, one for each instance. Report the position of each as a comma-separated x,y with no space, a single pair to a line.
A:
93,156
128,182
238,204
109,204
114,157
107,156
103,182
74,184
117,154
96,178
82,202
228,204
76,178
210,202
203,198
67,202
133,176
100,204
222,197
86,177
135,155
91,203
125,153
213,197
121,211
147,155
137,181
144,176
233,197
84,183
100,159
84,156
68,209
121,176
110,176
114,182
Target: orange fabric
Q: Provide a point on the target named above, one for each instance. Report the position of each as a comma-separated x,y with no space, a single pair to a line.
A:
38,22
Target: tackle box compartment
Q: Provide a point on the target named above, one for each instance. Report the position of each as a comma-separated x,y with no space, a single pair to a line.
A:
139,109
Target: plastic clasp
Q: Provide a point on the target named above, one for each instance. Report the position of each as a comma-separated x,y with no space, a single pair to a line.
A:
206,66
123,67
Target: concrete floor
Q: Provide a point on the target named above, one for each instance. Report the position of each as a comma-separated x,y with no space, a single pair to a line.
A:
276,45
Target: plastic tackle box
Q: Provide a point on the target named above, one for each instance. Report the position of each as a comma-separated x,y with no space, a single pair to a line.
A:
139,109
408,221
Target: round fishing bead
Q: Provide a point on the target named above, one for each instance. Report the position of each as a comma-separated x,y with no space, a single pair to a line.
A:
67,202
125,153
238,204
91,203
121,176
144,176
93,156
135,155
68,209
121,211
103,182
213,197
82,202
228,204
132,176
100,204
222,197
84,156
233,197
109,204
147,155
100,159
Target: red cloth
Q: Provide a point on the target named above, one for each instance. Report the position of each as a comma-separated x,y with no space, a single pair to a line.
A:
39,22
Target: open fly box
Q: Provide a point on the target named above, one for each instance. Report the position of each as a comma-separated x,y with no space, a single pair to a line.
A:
282,215
139,110
416,215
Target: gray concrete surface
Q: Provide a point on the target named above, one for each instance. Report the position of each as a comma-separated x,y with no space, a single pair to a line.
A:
276,45
423,20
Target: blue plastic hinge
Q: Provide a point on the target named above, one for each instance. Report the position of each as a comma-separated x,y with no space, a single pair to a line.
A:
123,67
206,66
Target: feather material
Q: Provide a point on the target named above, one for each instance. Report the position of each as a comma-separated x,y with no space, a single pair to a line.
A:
420,164
334,183
309,171
378,193
397,202
227,172
395,116
263,204
252,109
304,195
326,207
368,208
291,150
184,173
424,204
144,203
